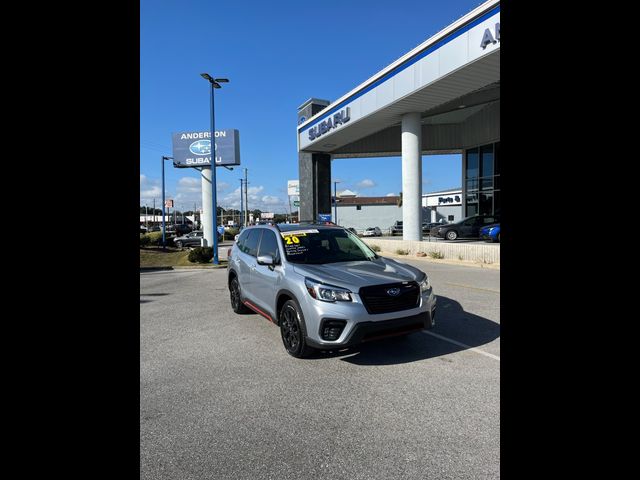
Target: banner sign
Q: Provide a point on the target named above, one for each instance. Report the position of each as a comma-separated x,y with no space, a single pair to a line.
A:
193,149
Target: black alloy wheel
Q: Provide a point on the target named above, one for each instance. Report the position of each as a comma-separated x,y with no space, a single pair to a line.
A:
292,331
236,299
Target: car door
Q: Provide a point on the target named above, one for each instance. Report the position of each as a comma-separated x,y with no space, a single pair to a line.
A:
265,280
467,227
247,263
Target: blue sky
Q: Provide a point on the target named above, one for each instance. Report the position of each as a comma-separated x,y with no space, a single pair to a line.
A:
277,55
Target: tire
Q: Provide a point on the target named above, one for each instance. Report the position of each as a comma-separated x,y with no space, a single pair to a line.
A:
236,297
179,244
293,332
451,235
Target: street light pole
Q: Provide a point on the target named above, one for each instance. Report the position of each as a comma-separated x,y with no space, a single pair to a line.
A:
164,240
215,83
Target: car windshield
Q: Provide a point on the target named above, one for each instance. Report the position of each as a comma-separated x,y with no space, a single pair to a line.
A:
327,245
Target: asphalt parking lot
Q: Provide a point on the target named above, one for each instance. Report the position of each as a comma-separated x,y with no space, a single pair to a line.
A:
220,398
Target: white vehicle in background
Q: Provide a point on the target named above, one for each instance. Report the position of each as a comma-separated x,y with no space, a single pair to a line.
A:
372,232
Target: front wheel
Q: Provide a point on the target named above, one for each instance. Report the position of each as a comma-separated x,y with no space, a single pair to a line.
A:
452,235
179,244
293,332
236,299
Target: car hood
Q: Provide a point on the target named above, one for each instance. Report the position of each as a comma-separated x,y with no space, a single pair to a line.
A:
354,275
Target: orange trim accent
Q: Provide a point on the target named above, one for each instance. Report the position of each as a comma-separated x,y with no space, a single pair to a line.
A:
257,310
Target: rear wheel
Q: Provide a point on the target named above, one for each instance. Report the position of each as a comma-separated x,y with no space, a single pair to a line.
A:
179,244
293,332
236,299
451,235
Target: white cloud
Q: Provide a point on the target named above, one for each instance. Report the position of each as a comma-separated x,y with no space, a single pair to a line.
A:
391,194
149,189
271,200
266,203
366,183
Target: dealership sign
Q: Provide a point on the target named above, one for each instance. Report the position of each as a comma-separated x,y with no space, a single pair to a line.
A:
338,118
293,187
193,149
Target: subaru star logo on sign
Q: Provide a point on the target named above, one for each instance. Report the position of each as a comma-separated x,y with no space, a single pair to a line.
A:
193,149
201,147
394,292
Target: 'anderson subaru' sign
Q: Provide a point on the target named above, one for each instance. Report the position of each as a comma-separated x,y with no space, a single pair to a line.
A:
193,149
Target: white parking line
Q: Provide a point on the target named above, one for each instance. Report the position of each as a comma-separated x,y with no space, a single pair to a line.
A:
477,350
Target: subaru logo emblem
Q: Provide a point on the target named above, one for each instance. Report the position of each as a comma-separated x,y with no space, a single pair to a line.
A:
302,120
394,292
201,147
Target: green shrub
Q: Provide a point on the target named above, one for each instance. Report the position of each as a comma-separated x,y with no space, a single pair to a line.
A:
230,234
155,238
144,240
436,254
201,255
402,252
375,248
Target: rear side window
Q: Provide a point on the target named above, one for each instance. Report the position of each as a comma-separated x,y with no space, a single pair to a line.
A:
250,246
242,238
269,244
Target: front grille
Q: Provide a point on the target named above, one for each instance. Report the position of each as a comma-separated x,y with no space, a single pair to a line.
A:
376,299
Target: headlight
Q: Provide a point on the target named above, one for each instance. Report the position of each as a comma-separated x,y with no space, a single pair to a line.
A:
424,284
326,293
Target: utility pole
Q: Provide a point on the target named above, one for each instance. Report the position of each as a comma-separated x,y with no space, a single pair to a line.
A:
154,210
241,221
246,197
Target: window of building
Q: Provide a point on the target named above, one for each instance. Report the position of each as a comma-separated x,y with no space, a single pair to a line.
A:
482,180
450,218
359,207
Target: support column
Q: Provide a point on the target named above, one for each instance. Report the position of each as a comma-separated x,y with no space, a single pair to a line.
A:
207,207
411,176
315,184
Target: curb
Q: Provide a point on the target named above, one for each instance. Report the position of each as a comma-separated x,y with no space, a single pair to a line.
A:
151,269
461,263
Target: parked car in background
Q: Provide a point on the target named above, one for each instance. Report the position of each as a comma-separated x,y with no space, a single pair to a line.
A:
491,233
466,228
154,228
426,227
353,230
372,232
192,239
143,229
396,228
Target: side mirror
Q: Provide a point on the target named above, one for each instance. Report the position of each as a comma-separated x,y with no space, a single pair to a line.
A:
265,260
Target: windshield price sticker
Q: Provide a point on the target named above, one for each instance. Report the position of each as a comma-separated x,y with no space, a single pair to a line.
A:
291,239
299,233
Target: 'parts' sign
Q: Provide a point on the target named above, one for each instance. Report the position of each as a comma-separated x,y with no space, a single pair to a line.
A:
193,149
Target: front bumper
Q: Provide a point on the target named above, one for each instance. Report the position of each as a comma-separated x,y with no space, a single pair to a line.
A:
361,328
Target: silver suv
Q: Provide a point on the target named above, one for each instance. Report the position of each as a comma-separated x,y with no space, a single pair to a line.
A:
325,288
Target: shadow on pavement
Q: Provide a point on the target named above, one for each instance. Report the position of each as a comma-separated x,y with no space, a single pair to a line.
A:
151,295
451,322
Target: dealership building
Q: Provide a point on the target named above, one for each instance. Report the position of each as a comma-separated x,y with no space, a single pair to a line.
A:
442,97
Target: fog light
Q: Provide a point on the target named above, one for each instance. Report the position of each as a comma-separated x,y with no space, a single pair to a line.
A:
332,329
